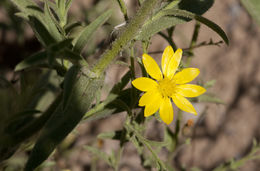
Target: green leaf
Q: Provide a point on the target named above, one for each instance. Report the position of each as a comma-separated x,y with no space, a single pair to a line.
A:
88,31
40,58
253,8
115,135
100,154
53,25
198,7
29,9
69,82
210,98
161,22
210,24
23,4
20,120
209,84
157,25
109,105
57,47
169,19
70,55
41,32
56,50
65,118
69,27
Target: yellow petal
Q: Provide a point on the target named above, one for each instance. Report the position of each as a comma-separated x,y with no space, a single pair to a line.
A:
182,103
151,67
147,98
190,90
166,57
153,105
144,84
166,111
173,64
186,75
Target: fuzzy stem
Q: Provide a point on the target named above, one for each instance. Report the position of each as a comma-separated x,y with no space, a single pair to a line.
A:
128,35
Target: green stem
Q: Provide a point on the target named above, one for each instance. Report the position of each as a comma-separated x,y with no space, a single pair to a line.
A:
175,137
123,8
169,40
193,42
121,149
195,35
128,35
144,141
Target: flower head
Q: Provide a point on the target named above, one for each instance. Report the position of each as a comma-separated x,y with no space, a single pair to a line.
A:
166,85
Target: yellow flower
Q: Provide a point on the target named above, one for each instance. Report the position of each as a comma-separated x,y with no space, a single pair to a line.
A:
168,85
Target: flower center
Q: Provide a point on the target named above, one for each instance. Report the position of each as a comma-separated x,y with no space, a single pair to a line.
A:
166,87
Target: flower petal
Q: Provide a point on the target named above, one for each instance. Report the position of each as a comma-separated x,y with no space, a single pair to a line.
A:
144,84
151,67
174,63
186,75
182,103
166,111
153,105
147,98
166,57
190,90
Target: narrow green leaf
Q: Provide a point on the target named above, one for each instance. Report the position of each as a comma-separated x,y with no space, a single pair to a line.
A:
154,26
121,85
69,82
115,135
209,84
68,4
161,22
211,98
198,7
70,55
32,61
41,32
123,8
62,6
65,118
29,9
100,154
20,120
53,25
69,27
56,47
23,4
210,24
85,35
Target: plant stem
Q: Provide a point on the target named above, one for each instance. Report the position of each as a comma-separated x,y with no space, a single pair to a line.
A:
169,40
123,8
130,31
144,141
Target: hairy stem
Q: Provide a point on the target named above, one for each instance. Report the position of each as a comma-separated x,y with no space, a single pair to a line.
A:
129,33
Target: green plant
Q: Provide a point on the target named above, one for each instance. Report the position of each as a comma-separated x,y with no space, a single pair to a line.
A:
71,85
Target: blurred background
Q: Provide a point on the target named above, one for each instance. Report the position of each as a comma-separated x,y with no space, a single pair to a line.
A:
222,132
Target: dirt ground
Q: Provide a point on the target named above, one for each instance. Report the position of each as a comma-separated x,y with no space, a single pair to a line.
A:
226,131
